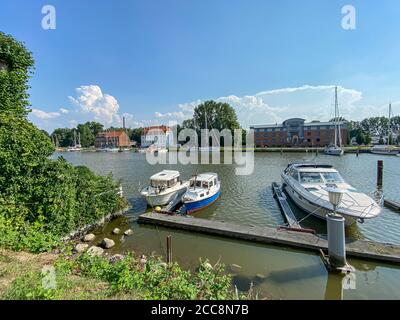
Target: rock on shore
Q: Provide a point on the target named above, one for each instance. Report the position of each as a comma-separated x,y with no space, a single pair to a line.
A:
89,237
107,243
95,251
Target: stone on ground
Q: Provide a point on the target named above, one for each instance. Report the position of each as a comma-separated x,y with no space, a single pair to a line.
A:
95,251
107,243
89,237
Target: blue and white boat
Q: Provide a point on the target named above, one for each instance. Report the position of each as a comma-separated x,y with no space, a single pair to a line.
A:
203,191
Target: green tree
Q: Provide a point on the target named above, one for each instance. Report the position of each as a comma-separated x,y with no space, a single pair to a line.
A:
40,199
136,135
360,137
86,135
64,136
95,127
213,115
14,77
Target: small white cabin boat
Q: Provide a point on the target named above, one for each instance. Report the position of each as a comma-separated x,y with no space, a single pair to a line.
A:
203,191
385,150
308,184
164,186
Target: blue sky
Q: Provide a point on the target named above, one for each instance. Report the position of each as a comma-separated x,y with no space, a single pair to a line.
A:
153,61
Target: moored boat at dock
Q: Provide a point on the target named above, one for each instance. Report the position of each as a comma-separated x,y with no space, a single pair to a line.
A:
385,150
308,185
164,186
203,191
335,148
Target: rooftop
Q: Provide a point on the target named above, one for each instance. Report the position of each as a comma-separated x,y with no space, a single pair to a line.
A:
307,124
165,175
206,176
111,134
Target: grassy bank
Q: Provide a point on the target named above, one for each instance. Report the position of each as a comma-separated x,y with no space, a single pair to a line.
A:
128,277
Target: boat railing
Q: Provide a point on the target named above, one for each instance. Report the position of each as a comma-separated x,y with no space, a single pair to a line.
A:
347,204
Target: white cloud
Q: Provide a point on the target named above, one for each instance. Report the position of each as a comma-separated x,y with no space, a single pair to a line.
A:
64,111
91,100
274,106
43,115
171,115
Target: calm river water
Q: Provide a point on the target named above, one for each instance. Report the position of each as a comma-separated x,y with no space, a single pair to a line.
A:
275,272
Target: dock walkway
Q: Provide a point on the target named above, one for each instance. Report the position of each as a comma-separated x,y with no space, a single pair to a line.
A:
283,204
358,249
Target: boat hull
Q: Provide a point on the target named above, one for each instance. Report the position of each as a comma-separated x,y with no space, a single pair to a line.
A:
334,152
312,209
163,199
194,206
386,153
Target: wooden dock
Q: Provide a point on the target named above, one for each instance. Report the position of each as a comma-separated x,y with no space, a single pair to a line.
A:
391,204
267,235
285,208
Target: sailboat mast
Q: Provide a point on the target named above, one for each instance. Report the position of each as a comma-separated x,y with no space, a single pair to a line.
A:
74,138
205,120
335,143
389,126
337,118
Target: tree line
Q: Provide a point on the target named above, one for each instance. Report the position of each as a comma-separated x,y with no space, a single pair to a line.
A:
64,137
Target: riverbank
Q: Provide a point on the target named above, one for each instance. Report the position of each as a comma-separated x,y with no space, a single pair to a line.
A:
67,276
349,149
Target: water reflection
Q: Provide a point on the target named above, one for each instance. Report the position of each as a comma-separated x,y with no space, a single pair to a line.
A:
247,200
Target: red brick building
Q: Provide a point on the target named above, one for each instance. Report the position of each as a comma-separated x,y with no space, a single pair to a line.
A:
296,133
112,139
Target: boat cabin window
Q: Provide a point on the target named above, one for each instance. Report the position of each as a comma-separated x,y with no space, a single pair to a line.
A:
210,184
195,183
215,181
173,182
205,185
332,177
158,183
310,177
294,174
163,183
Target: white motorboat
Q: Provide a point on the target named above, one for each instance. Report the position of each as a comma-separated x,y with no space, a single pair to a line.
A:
335,149
164,186
308,184
203,191
385,150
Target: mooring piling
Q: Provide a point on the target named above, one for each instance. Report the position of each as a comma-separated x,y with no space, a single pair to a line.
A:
169,249
379,178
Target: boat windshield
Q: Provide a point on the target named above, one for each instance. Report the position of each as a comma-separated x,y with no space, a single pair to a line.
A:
310,177
195,183
320,177
332,177
163,183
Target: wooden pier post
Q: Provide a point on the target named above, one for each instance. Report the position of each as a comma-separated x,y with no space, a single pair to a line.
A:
358,152
169,249
379,180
